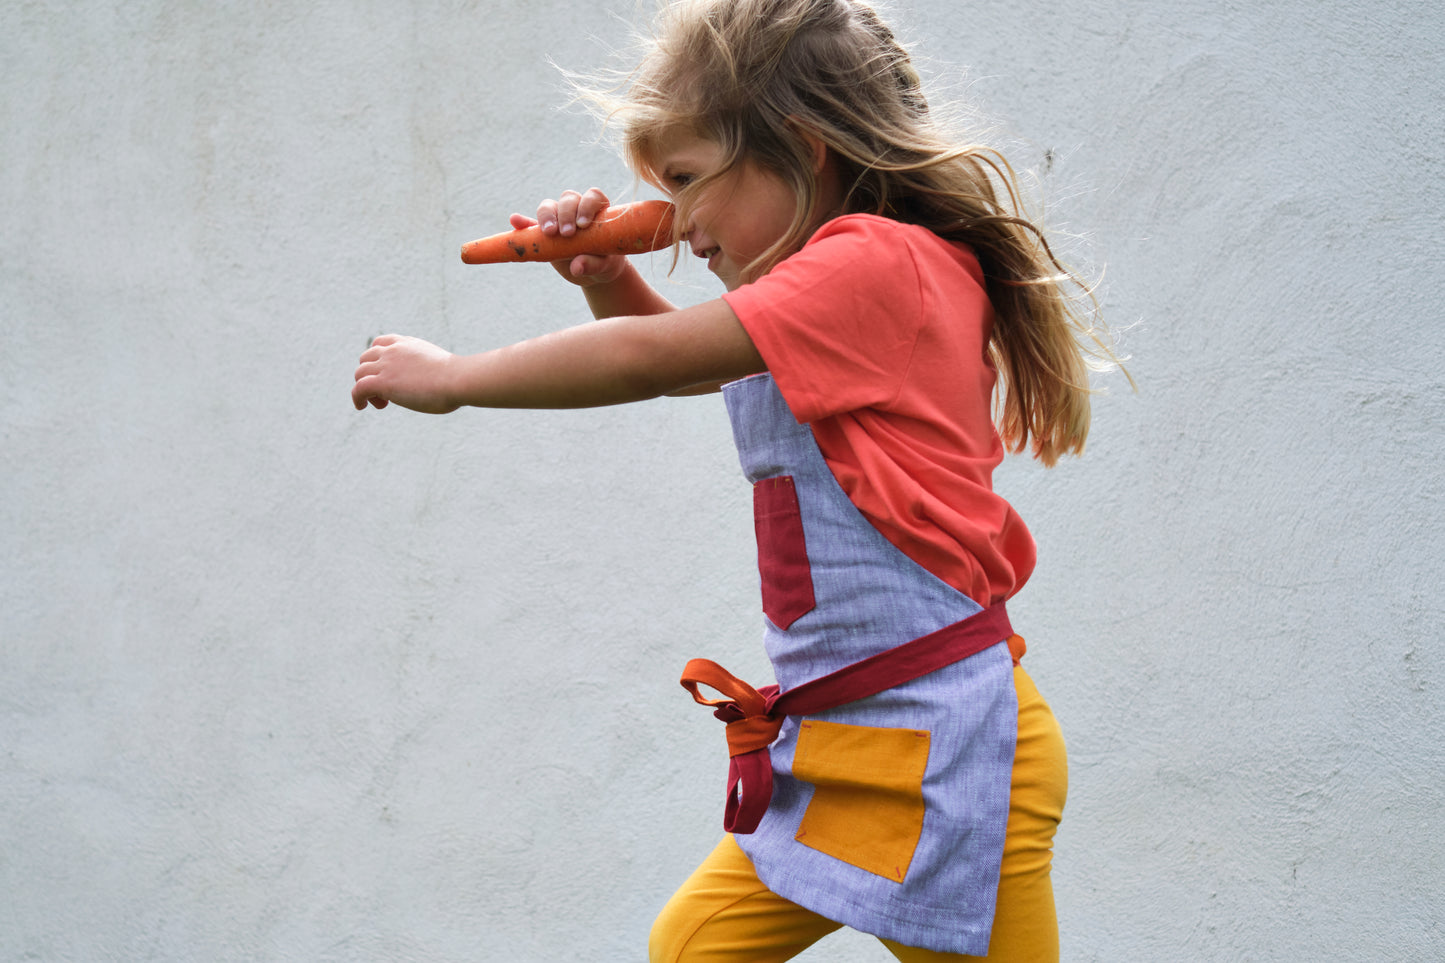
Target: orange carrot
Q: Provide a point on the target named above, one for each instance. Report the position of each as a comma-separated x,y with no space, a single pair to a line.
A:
621,229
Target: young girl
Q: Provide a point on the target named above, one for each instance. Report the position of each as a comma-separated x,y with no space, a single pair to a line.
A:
881,285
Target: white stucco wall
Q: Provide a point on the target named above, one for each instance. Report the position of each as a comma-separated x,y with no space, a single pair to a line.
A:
282,681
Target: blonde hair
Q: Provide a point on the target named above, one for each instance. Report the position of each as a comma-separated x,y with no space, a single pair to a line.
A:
754,76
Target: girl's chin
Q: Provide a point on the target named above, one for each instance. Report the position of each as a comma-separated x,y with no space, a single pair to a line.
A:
724,273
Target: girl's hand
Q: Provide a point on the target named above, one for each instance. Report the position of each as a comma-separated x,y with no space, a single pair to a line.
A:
409,371
564,217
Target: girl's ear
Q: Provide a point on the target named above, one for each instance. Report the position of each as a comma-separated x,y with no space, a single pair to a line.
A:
816,148
819,150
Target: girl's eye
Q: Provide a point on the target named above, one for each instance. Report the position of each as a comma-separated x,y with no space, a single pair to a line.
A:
679,181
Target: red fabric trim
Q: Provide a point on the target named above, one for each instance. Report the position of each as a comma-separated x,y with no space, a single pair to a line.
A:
787,576
754,716
898,665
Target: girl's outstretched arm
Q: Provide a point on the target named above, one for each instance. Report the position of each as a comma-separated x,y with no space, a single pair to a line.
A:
606,362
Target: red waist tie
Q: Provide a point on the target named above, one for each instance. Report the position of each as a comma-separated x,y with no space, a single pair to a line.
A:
754,716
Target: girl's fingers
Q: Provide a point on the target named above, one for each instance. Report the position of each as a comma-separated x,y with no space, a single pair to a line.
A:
584,265
365,385
592,203
567,206
568,213
547,216
373,351
362,400
367,368
519,221
361,395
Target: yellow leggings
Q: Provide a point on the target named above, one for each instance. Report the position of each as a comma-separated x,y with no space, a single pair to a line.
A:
723,914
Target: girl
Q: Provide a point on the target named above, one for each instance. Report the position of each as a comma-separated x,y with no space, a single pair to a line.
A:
904,777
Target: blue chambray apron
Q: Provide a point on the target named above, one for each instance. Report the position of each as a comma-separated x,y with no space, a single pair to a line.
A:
845,835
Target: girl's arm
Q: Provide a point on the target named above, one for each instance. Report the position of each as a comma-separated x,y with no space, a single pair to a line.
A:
606,362
627,293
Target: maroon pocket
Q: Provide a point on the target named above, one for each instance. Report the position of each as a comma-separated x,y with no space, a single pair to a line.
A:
782,552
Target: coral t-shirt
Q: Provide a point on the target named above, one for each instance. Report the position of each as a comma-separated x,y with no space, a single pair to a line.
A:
876,334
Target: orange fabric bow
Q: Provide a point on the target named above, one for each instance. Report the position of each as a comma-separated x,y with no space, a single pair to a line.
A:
752,725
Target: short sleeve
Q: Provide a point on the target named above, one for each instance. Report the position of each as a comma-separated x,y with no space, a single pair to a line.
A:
838,322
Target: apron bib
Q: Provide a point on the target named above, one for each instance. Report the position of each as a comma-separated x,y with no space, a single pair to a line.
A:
887,813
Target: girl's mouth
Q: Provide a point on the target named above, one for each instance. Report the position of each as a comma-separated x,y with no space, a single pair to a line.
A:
710,253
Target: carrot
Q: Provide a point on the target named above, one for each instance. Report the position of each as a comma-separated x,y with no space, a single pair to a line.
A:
621,229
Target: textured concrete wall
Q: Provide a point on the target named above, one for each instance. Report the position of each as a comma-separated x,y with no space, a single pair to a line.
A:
279,680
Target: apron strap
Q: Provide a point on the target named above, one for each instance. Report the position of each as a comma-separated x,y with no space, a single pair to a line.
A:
755,716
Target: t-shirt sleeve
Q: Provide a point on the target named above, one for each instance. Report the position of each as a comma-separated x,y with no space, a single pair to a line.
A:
837,323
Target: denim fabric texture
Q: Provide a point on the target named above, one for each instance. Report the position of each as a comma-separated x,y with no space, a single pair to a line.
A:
871,597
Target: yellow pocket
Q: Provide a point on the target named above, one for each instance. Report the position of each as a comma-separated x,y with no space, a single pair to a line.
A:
867,806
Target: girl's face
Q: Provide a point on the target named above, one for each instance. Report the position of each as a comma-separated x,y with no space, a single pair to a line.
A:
738,216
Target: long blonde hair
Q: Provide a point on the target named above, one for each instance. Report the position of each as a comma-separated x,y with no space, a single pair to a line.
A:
754,76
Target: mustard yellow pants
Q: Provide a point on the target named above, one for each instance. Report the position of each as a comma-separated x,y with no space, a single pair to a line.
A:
723,914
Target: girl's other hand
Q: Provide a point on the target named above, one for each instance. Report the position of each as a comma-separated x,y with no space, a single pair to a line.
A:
409,371
564,217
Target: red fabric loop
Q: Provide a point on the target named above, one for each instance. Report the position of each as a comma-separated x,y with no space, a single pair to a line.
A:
750,789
